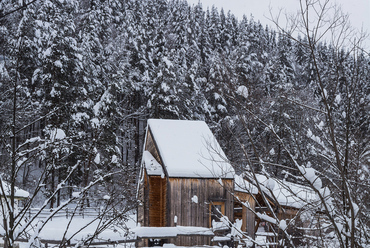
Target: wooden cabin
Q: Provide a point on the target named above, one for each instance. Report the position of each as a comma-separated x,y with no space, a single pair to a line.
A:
186,182
185,179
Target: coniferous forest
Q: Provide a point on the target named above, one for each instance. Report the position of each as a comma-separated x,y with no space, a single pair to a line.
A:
79,79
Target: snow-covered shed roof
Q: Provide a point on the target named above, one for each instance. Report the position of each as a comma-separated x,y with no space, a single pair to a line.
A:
153,168
19,193
286,193
244,186
189,149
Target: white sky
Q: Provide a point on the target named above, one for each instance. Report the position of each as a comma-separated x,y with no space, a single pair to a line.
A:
359,10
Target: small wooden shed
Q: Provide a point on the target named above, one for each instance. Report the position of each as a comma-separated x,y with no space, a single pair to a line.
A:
185,178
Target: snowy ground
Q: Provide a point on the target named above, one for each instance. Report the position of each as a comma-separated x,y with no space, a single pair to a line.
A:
81,227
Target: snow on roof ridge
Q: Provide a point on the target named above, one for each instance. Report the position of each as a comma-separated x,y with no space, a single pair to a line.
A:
188,148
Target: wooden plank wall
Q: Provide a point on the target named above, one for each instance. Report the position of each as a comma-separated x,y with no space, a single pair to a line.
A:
143,198
156,190
248,216
143,209
287,213
180,194
146,200
157,201
140,208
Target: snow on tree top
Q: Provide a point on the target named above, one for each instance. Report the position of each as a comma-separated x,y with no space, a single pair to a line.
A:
189,149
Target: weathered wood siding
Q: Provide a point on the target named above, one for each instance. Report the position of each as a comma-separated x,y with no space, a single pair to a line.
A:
157,201
155,191
142,201
143,209
143,197
287,213
189,213
247,216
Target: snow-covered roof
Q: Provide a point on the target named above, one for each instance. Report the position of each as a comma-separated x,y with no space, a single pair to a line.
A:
189,149
244,186
153,168
19,193
286,193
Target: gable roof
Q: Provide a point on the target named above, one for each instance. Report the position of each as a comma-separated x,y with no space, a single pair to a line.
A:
189,149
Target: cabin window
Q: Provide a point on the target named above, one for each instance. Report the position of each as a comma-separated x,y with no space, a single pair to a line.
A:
216,211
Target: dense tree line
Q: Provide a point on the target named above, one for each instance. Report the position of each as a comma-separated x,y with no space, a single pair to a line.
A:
96,70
